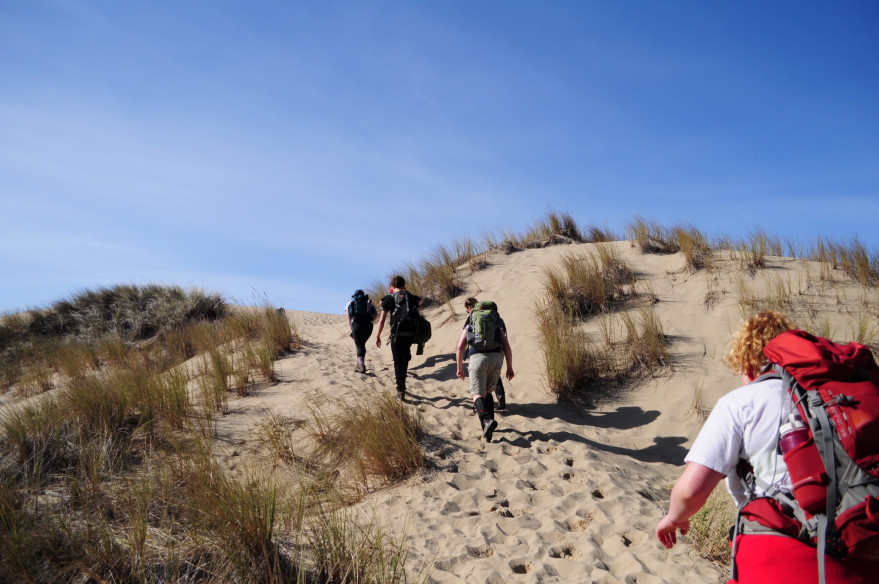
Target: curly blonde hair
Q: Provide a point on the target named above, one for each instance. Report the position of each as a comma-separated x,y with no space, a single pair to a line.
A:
746,351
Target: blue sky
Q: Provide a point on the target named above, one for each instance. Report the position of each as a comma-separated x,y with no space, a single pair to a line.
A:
296,151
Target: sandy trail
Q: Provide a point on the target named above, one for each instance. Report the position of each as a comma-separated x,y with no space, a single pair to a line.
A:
562,494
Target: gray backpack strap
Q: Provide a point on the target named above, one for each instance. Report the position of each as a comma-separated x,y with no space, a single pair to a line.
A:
822,525
826,521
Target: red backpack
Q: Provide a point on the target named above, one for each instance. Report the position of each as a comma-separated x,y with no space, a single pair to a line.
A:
835,470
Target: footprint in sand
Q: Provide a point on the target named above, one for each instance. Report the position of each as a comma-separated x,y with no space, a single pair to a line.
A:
564,552
630,538
577,524
480,551
519,567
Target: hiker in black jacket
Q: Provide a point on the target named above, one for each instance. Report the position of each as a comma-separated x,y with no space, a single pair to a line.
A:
403,307
361,314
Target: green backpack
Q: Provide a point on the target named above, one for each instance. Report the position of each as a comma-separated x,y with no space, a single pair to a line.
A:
484,334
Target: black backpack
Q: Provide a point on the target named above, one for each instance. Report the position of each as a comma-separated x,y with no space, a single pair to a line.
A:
404,318
361,308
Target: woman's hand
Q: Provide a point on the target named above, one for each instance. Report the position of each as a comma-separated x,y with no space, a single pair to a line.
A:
666,531
690,492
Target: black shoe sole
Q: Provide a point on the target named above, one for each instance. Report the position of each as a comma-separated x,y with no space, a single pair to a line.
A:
488,430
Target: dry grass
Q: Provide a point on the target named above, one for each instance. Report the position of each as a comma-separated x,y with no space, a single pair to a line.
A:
709,528
699,409
571,361
695,247
109,475
852,258
555,228
651,236
646,347
589,284
438,278
371,441
582,287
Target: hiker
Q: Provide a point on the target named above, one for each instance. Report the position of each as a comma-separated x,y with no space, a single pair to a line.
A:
744,426
499,388
361,314
403,307
488,347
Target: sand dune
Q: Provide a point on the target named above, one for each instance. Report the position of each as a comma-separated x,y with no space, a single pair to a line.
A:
562,494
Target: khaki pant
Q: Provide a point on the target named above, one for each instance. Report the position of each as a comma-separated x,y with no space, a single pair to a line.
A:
484,371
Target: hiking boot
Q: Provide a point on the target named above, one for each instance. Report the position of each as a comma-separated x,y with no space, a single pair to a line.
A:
501,401
488,427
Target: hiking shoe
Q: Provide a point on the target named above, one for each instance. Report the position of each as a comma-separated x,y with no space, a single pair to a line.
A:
501,401
488,427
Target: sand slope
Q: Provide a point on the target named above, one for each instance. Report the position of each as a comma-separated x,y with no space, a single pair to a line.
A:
562,494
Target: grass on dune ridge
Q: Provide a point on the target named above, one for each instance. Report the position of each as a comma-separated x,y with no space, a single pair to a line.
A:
106,471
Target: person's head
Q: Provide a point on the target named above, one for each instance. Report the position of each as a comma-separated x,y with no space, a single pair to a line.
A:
746,351
398,282
469,304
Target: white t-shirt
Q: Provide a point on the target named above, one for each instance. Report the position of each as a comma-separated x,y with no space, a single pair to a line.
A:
744,425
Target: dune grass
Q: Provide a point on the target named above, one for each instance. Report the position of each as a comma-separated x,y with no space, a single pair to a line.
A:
109,475
646,347
373,438
571,360
694,246
596,284
709,527
441,275
651,236
589,284
128,312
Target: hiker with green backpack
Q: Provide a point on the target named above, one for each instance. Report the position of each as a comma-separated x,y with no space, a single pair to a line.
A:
499,391
486,338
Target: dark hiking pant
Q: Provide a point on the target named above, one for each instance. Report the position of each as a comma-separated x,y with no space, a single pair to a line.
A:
361,332
401,350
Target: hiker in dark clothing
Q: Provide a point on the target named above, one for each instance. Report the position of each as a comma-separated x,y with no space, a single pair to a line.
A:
361,314
403,307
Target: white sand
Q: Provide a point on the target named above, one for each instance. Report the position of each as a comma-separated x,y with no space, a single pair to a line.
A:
561,494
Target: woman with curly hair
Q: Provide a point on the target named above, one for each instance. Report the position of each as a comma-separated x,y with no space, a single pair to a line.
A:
743,428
